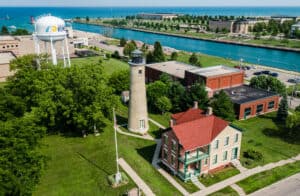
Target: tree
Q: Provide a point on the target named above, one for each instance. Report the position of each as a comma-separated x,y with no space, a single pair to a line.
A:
163,104
158,54
20,32
268,83
123,42
4,30
116,55
155,90
292,123
222,106
197,92
120,81
283,109
194,60
174,56
129,48
297,109
176,94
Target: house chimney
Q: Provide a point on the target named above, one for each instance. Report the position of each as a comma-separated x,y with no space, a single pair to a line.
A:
209,111
195,105
171,122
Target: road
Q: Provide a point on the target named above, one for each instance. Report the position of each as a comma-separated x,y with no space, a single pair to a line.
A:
289,187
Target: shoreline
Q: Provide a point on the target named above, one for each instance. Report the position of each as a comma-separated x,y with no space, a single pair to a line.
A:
198,38
256,65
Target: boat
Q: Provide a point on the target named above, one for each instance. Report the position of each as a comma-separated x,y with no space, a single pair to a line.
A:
12,27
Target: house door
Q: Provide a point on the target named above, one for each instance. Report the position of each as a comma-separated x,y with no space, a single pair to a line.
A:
234,153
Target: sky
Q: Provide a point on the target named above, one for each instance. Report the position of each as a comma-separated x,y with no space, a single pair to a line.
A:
149,3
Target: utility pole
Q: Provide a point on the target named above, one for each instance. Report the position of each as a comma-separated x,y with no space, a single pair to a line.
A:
118,176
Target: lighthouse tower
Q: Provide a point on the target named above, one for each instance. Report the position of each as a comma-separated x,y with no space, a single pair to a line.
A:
138,115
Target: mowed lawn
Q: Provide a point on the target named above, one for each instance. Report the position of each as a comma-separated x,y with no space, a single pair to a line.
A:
110,65
267,136
80,166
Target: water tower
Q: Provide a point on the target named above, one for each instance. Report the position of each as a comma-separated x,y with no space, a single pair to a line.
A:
138,115
50,30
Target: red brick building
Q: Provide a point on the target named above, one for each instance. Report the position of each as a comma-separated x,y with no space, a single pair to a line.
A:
198,142
250,102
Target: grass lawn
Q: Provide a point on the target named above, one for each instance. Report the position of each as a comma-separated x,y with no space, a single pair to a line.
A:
228,191
163,119
219,176
80,166
2,84
268,177
110,65
266,135
206,60
189,186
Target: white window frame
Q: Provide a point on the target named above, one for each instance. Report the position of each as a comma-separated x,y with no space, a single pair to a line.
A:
205,161
166,150
173,144
215,159
216,144
225,152
173,157
236,138
142,124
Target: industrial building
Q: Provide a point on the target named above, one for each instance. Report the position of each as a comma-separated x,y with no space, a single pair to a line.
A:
156,16
250,102
198,142
215,78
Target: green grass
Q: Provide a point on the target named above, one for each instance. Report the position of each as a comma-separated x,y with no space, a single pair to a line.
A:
115,42
228,191
109,66
80,166
163,119
273,42
206,60
219,176
268,177
268,136
189,186
2,84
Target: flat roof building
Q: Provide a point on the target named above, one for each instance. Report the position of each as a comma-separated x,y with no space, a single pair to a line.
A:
5,58
157,16
250,102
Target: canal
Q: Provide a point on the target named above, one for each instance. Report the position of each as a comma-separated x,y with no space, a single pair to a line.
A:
268,57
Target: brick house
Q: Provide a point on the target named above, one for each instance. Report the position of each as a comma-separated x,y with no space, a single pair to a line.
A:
199,142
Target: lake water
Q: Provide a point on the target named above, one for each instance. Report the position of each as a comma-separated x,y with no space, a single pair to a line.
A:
20,17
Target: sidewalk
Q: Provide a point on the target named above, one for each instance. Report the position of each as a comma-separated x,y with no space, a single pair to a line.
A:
156,123
243,175
138,181
145,137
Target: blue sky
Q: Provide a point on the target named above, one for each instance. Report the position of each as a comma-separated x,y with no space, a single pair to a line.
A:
150,3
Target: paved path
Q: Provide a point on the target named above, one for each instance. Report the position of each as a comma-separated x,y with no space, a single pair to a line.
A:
145,137
237,164
197,183
243,175
138,181
238,189
156,123
289,186
165,174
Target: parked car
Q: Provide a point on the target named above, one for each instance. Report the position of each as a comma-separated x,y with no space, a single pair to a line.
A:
257,73
294,80
247,67
267,72
237,67
274,74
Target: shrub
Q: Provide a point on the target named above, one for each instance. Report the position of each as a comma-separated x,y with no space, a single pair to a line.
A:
253,154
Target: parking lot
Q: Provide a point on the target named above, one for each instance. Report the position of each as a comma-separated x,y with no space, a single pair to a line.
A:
282,76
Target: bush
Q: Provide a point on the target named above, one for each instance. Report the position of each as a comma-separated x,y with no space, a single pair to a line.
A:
108,56
116,55
253,155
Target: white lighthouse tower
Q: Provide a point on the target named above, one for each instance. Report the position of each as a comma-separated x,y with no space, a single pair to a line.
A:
49,30
138,115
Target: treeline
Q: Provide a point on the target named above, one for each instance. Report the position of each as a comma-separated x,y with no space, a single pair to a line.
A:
5,31
52,100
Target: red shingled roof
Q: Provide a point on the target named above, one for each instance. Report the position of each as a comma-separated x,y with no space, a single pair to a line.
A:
189,115
198,132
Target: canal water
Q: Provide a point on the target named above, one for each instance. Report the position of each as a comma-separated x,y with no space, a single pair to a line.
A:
268,57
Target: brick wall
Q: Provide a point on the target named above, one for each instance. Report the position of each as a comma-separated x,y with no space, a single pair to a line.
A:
225,81
253,106
168,148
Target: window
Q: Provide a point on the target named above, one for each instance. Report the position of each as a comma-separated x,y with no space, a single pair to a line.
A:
142,124
225,155
216,145
234,153
166,139
140,71
247,112
166,154
271,105
173,160
215,159
236,138
226,141
173,145
259,108
206,161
